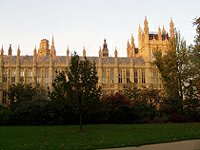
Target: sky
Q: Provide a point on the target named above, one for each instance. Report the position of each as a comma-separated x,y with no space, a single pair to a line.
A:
79,23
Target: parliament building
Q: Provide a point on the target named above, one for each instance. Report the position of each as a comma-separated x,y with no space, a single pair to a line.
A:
113,72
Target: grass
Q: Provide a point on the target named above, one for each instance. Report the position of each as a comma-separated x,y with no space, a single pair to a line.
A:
94,137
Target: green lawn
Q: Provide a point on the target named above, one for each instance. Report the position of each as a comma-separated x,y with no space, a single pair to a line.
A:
95,136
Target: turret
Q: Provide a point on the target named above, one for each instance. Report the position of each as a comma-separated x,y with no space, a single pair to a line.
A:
18,52
105,49
67,56
139,37
84,52
159,34
10,50
146,27
164,31
115,53
44,48
2,51
1,56
52,51
132,46
100,52
172,30
128,48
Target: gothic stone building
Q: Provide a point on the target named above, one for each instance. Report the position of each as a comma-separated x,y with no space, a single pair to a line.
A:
113,72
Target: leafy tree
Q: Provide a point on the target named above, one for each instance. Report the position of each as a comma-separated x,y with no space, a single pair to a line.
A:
78,86
20,93
195,56
149,96
173,67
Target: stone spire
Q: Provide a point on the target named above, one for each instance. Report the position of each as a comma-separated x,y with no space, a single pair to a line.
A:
159,34
52,51
132,52
115,53
100,52
2,51
132,40
128,44
146,27
140,32
67,52
105,49
84,52
34,52
172,30
18,52
164,31
67,56
10,50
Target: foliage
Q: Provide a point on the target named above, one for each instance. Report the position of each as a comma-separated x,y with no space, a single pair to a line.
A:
173,66
195,56
116,109
18,93
78,86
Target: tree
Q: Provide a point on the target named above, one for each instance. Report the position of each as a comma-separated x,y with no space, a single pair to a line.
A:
20,93
78,86
173,67
195,56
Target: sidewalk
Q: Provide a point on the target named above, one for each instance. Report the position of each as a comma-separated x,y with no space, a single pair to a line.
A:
181,145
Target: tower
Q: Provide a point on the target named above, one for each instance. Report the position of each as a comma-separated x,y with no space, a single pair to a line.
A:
44,48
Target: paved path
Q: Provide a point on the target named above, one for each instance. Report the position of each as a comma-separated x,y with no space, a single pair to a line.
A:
181,145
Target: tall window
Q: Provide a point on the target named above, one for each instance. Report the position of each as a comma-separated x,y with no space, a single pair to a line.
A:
111,75
22,75
29,75
120,76
12,75
135,76
38,75
143,76
127,76
104,75
46,73
108,75
155,77
5,74
4,97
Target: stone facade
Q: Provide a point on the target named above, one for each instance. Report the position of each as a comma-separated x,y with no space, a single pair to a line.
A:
113,72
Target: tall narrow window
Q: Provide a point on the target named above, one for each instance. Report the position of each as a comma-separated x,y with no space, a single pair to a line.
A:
104,76
38,75
120,76
12,75
29,75
127,76
107,75
155,78
46,73
143,76
5,74
4,97
111,75
22,75
135,76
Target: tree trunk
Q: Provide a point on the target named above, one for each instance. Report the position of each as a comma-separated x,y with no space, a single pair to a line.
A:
80,113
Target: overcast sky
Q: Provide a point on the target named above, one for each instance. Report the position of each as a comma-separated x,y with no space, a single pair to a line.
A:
76,23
